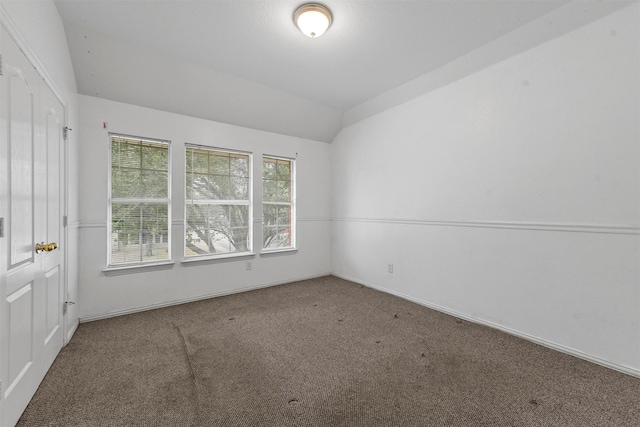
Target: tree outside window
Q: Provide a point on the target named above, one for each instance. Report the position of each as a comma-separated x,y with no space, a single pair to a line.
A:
278,207
218,202
139,201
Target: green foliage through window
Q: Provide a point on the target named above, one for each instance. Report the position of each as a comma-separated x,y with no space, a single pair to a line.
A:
278,209
218,207
139,202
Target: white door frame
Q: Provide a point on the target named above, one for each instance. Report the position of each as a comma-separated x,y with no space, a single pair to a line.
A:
12,29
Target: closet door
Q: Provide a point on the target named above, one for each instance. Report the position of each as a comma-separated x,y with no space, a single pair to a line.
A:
31,284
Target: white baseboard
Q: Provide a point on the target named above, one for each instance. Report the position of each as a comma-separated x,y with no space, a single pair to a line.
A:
101,316
72,331
567,350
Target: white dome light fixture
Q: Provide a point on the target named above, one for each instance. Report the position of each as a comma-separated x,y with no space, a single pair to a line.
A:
312,19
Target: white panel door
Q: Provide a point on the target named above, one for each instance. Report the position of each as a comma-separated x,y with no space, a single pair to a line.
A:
31,285
49,184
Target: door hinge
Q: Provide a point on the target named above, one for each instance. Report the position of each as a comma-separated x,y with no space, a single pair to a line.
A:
65,306
65,132
1,227
65,221
0,64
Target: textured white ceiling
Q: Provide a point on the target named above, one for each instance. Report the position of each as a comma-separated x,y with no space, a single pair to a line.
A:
372,47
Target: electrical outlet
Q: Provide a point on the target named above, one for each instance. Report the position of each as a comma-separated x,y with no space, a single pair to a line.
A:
390,268
249,265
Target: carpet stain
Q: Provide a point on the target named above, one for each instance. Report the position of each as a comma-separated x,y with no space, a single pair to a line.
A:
294,400
183,343
395,316
534,402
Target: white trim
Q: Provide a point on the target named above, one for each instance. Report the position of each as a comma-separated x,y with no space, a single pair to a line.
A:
108,315
229,256
66,227
278,251
269,156
16,35
562,349
574,228
156,141
569,228
240,202
181,222
72,330
137,268
140,200
277,203
313,219
92,224
188,145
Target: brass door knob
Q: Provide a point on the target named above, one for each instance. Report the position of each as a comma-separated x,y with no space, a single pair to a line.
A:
47,248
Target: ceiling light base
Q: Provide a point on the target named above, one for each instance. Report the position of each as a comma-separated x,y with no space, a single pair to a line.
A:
312,19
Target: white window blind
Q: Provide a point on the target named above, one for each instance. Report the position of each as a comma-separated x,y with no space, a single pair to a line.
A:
278,208
139,201
218,202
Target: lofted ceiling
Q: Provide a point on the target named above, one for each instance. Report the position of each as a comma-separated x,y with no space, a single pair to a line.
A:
244,62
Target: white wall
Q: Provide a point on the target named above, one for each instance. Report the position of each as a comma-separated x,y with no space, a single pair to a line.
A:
41,28
107,295
510,197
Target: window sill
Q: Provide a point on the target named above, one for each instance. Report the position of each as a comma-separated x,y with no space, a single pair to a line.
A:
276,252
138,268
208,259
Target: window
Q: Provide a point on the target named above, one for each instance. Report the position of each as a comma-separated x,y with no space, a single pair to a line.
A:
218,202
278,209
139,201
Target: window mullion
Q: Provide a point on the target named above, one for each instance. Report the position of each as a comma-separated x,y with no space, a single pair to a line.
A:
139,200
210,213
278,216
139,219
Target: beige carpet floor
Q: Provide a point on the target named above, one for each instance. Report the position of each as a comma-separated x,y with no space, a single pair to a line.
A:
322,352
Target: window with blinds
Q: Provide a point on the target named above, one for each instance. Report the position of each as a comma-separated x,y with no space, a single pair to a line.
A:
218,202
278,207
139,201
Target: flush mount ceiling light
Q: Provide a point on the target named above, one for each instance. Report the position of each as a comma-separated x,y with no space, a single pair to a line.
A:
312,19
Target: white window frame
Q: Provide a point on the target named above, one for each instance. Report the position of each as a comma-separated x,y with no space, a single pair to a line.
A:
292,203
111,200
248,202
